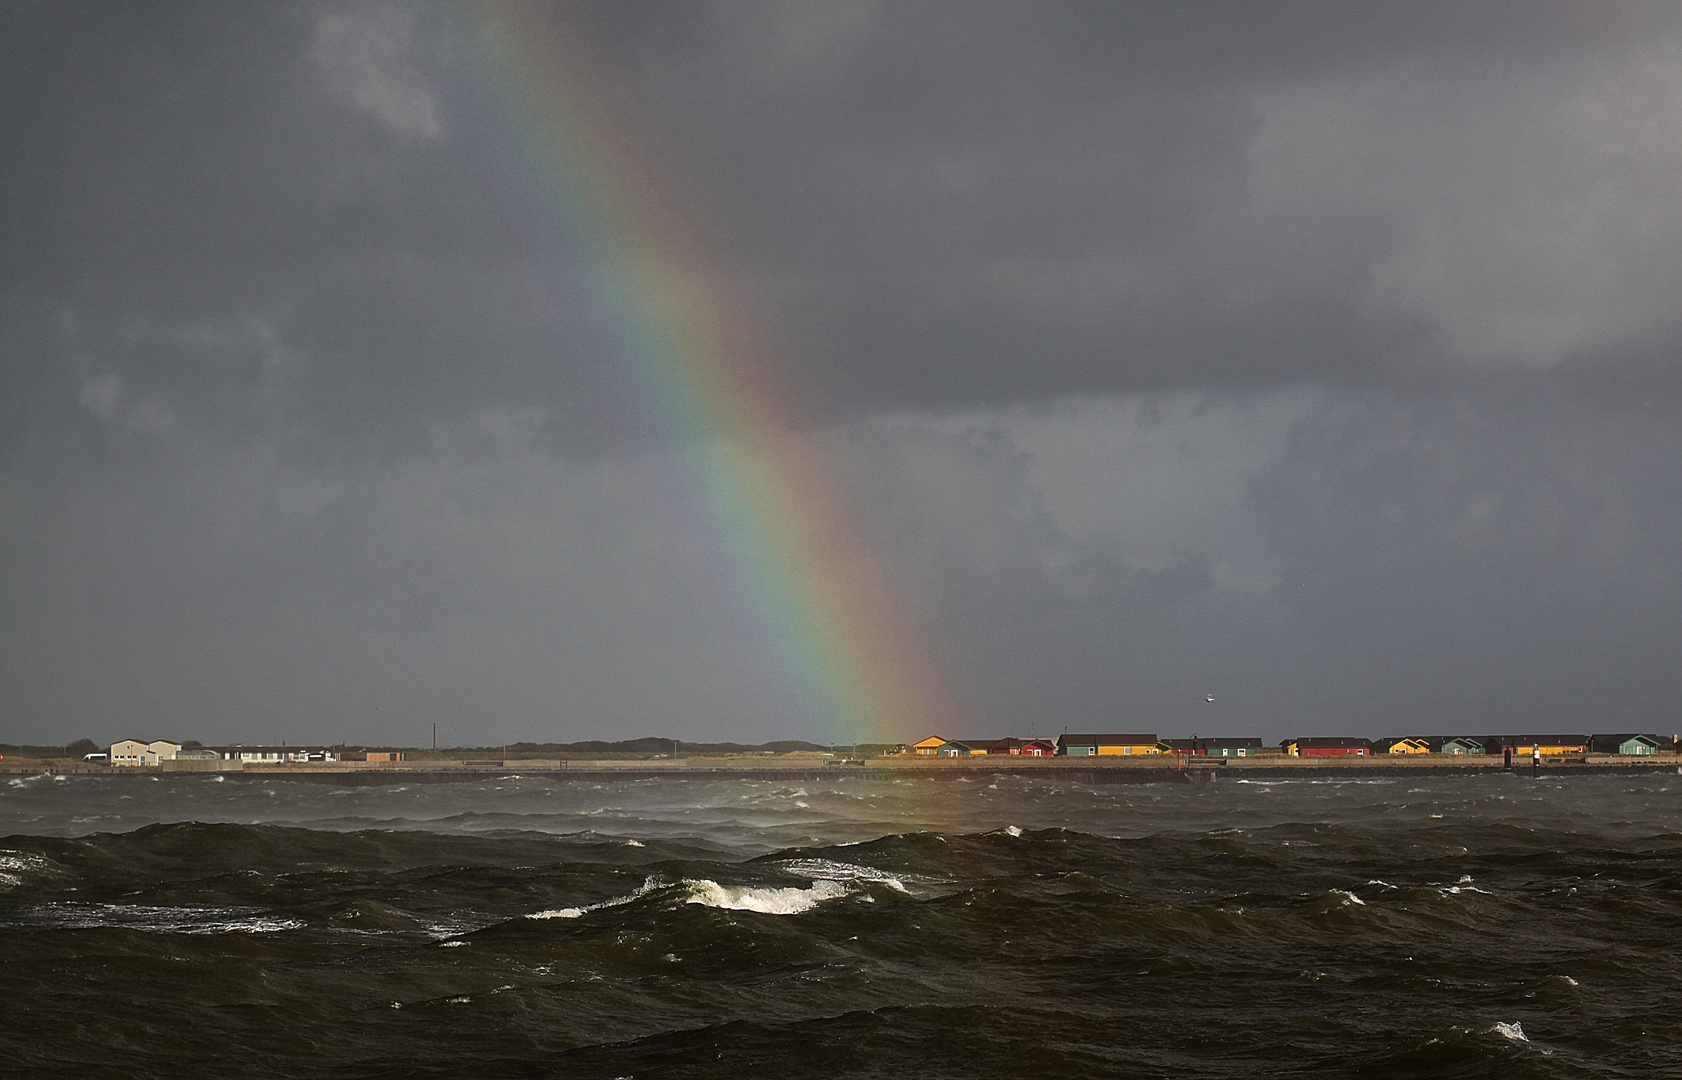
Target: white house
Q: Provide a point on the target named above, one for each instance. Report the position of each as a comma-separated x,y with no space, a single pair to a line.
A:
142,752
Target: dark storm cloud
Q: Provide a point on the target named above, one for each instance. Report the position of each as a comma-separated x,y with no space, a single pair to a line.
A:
979,202
197,190
1317,356
937,203
1505,558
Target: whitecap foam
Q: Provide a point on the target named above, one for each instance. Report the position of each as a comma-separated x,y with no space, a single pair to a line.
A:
769,900
157,919
1346,897
1513,1031
829,870
14,864
644,889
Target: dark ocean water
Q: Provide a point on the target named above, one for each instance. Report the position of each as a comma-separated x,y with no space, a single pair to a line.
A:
1493,926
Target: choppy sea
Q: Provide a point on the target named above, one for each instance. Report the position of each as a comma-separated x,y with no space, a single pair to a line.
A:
1394,927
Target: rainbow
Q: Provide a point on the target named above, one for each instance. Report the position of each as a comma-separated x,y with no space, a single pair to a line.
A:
690,359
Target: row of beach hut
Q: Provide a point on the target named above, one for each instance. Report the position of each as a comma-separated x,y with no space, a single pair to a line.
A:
1067,745
1548,745
1129,745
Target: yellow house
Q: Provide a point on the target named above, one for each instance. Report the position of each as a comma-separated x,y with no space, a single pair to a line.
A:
1549,744
929,746
1107,745
1128,744
1410,746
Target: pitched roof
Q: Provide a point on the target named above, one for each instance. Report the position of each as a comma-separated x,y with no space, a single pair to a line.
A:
264,749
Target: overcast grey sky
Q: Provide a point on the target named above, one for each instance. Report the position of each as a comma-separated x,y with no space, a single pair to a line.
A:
1321,357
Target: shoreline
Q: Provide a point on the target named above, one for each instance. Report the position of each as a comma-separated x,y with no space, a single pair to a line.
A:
1080,770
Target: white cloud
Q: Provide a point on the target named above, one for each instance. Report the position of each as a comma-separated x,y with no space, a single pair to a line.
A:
107,398
102,395
368,56
811,40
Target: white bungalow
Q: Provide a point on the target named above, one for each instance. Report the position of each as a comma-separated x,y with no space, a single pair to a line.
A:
274,755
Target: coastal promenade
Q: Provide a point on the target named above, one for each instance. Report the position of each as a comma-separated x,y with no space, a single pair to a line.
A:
782,767
808,767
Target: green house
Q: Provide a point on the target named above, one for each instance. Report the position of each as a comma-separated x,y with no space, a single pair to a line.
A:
1626,744
1463,746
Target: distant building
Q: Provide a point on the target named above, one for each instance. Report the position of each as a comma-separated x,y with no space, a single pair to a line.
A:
929,746
1626,744
1402,746
1328,747
1108,745
954,748
384,755
1549,745
1224,747
1464,744
274,754
143,751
